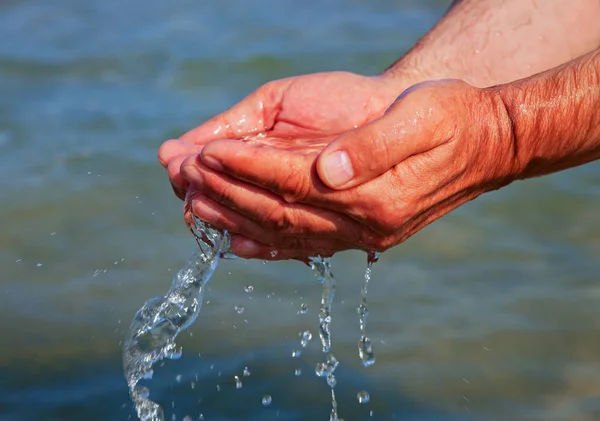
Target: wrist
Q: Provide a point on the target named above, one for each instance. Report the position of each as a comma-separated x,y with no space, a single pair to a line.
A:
507,159
554,118
409,70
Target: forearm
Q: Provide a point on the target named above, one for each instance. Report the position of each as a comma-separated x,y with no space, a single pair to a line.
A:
555,117
488,42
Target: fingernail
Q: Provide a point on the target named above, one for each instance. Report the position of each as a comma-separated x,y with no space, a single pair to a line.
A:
337,169
206,212
179,192
212,162
246,248
192,174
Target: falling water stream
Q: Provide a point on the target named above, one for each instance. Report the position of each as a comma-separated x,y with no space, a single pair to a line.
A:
155,326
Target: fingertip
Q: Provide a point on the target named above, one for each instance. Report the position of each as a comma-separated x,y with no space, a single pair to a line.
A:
244,247
220,146
173,148
335,169
189,168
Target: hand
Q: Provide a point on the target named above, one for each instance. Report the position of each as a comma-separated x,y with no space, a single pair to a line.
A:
438,146
302,113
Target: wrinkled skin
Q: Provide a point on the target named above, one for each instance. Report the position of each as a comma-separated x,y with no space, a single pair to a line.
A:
301,114
437,147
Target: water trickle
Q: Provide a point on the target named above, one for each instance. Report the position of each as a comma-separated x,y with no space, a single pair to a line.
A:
155,326
365,348
322,269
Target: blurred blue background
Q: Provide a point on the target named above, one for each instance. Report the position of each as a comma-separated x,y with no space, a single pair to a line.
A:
490,313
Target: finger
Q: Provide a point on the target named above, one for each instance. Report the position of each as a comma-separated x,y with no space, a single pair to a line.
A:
222,217
244,247
271,211
254,114
289,175
179,184
409,127
173,148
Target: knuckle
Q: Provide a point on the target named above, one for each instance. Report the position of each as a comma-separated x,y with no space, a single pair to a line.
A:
296,187
379,243
223,195
276,218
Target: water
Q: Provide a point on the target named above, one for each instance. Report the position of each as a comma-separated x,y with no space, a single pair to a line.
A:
322,269
363,396
155,326
365,348
266,400
496,302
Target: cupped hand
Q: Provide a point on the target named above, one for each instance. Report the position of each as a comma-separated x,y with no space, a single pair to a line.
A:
301,114
438,146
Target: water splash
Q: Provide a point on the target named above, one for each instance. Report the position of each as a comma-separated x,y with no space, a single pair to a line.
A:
322,269
365,348
155,326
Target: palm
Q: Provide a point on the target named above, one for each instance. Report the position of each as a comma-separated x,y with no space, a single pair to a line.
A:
302,113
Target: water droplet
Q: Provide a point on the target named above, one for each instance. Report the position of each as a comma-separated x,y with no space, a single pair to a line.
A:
331,381
39,265
246,372
266,400
363,396
239,309
296,353
365,351
238,382
328,367
274,253
174,354
178,378
306,337
248,288
298,372
187,418
303,309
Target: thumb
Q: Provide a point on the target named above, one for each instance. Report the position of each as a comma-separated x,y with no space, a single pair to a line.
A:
408,127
